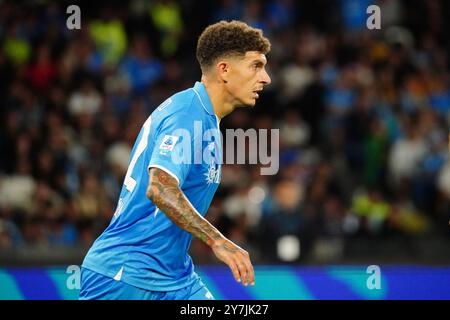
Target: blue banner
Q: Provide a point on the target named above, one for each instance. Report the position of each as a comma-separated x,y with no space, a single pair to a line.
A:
272,283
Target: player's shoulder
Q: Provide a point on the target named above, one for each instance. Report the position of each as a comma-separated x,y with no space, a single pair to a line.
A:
180,107
180,104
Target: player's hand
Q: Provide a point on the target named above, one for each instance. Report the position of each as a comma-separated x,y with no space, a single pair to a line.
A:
236,258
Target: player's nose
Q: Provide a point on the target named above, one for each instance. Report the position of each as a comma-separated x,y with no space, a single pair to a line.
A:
265,78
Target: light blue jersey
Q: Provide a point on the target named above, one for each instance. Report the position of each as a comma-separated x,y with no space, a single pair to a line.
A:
141,246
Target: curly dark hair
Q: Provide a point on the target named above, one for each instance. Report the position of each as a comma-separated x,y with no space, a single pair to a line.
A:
229,38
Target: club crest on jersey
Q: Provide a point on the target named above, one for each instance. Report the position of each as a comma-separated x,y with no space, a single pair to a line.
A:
213,174
167,144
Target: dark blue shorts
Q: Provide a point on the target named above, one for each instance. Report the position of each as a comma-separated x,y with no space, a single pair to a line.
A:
95,286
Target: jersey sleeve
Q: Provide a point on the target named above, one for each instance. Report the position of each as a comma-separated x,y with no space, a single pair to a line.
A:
172,151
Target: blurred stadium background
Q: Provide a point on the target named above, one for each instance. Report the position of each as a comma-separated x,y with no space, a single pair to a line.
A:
364,117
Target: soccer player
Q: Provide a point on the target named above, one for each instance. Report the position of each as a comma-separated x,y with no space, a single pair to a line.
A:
173,173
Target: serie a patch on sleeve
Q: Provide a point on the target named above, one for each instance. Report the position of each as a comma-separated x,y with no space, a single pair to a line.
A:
167,144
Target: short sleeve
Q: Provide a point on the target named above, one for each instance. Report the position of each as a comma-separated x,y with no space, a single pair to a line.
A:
172,151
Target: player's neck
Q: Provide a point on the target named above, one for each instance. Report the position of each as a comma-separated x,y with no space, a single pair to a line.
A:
222,104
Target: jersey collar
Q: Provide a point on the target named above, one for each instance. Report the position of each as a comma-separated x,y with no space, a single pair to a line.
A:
202,95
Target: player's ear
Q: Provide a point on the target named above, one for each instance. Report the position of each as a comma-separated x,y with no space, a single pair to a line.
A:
222,69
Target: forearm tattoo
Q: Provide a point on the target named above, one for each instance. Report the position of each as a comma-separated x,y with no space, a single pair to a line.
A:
165,193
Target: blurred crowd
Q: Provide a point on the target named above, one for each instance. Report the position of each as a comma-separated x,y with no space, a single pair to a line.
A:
364,117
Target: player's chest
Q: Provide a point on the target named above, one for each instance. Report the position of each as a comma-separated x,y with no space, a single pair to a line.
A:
211,167
208,161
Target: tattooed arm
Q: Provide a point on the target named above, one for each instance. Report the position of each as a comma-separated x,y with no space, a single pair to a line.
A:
164,192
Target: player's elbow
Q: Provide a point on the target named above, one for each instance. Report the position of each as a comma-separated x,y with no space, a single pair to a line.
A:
151,194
